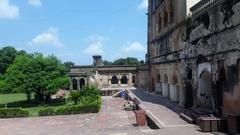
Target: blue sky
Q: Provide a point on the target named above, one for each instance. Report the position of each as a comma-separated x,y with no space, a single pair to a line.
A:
74,30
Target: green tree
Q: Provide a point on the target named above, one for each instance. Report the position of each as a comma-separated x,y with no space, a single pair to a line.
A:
36,74
105,62
127,61
124,61
7,56
69,64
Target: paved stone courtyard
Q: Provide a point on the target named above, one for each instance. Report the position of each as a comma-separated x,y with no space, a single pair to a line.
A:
110,121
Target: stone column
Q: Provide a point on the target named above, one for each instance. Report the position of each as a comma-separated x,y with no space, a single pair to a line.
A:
78,84
71,84
160,88
166,92
174,93
130,79
119,80
182,96
109,82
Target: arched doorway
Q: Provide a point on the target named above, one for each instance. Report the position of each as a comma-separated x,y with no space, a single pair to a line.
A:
205,89
165,87
124,79
74,83
189,90
133,79
174,89
82,83
114,80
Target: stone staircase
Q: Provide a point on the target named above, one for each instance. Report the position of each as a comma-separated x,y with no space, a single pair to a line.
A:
192,115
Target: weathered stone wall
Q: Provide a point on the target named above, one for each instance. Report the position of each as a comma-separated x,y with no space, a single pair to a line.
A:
215,38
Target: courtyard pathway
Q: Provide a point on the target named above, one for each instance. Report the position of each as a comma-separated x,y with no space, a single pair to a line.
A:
110,121
164,114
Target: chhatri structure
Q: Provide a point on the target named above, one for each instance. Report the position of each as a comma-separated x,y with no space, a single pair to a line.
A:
193,58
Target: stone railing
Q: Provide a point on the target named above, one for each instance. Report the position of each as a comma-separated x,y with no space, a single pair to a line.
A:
203,5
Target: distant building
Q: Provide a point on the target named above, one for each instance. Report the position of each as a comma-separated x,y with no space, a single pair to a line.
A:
102,76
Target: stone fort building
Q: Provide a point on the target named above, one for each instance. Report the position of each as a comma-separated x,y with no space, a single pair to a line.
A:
193,58
102,76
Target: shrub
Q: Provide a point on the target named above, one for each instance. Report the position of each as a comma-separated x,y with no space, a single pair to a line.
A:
13,113
93,107
89,99
78,109
47,112
2,105
90,91
75,96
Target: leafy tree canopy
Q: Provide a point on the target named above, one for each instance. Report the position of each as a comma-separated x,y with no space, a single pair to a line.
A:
68,64
7,56
36,74
125,61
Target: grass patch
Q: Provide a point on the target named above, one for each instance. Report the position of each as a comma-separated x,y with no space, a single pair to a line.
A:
20,101
9,98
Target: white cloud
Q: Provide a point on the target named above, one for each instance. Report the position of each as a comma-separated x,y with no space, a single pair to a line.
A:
134,47
143,5
7,10
95,46
50,37
36,3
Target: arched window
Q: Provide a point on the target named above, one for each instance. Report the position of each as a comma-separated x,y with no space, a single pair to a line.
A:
114,80
82,83
74,83
124,79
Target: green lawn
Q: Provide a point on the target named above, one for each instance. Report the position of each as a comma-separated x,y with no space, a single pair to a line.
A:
9,98
19,100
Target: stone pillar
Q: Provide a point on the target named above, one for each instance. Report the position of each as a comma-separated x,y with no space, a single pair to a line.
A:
160,88
119,80
109,82
78,84
87,80
130,79
174,93
182,94
71,84
165,90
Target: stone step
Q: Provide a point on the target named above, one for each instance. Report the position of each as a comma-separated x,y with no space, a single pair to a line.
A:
186,118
